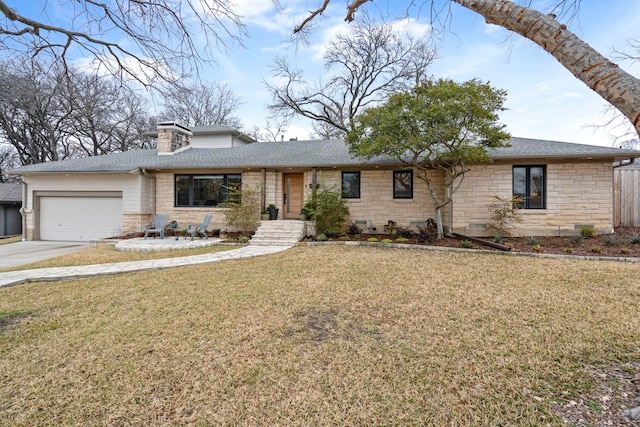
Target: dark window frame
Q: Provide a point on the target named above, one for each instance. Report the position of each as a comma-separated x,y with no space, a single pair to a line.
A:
527,204
399,196
351,196
191,190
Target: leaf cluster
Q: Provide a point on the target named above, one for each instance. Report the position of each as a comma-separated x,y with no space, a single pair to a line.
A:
438,124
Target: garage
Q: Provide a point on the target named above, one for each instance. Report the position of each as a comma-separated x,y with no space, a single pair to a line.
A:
80,217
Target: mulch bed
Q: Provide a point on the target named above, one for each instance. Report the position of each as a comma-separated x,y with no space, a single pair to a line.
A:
618,244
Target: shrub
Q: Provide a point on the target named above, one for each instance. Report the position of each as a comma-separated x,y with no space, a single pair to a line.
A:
588,232
401,240
537,248
353,228
404,232
625,251
532,241
577,239
505,212
595,249
344,238
569,250
243,239
390,227
468,244
321,237
611,240
243,209
372,239
427,233
357,237
498,238
634,239
328,210
387,240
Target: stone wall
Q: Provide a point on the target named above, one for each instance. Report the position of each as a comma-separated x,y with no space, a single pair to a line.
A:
172,137
578,194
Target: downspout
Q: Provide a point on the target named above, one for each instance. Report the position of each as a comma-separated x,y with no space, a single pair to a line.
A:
263,195
152,178
22,210
613,220
631,160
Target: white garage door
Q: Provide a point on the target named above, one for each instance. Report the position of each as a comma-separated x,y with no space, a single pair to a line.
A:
80,218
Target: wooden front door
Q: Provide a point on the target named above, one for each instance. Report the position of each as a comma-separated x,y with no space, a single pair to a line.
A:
293,195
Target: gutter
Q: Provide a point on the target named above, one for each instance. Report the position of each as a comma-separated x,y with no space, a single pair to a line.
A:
630,161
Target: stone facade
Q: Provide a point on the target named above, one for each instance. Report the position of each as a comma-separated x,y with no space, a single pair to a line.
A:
172,137
578,194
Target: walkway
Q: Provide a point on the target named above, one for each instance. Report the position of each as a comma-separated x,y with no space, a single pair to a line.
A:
66,273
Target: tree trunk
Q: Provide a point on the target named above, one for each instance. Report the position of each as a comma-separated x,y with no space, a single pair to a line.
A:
615,85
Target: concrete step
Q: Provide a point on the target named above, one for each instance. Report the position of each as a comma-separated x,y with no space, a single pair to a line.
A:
279,232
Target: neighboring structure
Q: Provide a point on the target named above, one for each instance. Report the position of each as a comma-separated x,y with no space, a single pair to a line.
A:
10,203
566,186
627,195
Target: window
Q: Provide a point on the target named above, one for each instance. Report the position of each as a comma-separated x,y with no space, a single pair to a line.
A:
402,184
529,182
204,190
351,185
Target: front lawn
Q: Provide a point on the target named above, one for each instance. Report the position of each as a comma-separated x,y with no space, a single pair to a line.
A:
328,335
108,254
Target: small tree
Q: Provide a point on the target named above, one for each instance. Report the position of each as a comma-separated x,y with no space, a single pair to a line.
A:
243,209
328,210
504,213
438,126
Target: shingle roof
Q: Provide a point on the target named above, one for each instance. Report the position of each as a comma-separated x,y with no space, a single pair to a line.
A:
10,192
319,153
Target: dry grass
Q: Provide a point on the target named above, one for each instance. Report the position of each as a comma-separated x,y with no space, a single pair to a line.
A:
317,336
107,254
6,240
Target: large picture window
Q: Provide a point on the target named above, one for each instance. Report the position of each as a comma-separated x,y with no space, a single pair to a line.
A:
402,184
204,190
529,182
351,185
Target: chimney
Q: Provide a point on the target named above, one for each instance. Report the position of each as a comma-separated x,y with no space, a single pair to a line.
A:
172,137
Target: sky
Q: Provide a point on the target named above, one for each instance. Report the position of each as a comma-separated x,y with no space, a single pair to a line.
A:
544,100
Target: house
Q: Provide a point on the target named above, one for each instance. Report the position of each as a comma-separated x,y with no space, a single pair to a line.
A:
566,185
10,204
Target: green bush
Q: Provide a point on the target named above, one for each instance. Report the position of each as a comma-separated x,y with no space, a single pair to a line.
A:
401,240
467,244
625,251
387,240
634,239
242,209
243,239
504,213
328,210
595,249
372,239
588,232
321,237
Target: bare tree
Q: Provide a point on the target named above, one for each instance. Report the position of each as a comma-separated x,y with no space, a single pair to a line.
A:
271,132
141,40
202,104
107,117
34,116
48,113
365,67
8,160
619,88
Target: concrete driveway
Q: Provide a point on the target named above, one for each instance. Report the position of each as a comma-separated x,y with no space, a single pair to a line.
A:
20,253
